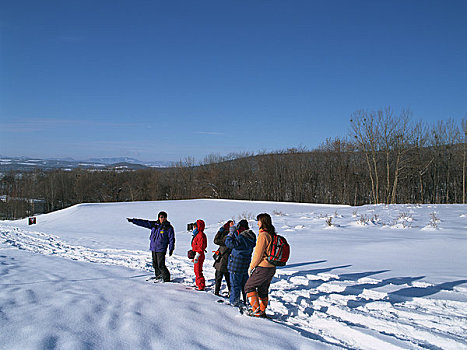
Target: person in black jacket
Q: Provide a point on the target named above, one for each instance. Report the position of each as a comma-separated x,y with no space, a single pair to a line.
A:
220,263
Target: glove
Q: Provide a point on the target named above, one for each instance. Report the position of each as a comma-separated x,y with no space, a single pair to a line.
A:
195,260
171,252
232,230
130,220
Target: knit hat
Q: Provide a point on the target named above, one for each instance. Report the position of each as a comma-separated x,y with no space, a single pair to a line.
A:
243,223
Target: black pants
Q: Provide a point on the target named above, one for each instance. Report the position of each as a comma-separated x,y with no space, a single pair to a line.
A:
260,280
158,262
219,276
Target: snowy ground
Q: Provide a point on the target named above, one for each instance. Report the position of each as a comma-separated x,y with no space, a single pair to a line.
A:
377,277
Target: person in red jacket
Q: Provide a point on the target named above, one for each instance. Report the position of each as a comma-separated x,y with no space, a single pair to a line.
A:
198,244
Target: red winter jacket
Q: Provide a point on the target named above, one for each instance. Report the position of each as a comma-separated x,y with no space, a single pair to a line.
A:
200,241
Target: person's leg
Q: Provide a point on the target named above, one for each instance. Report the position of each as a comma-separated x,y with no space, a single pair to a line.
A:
235,291
197,274
227,280
257,289
263,295
199,278
219,276
267,275
202,281
244,280
164,272
263,304
196,270
253,300
263,288
157,272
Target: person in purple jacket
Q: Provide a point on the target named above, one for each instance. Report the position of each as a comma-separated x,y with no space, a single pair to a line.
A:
162,236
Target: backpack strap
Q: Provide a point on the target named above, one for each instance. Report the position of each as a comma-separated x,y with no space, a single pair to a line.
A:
269,247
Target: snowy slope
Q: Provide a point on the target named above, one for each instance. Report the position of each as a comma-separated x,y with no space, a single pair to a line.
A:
377,277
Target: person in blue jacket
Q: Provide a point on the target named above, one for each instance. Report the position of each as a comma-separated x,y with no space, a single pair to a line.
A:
162,236
241,240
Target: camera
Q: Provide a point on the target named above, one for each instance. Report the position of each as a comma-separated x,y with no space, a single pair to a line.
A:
191,226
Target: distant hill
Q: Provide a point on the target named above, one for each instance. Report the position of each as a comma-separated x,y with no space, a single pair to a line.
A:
113,161
29,164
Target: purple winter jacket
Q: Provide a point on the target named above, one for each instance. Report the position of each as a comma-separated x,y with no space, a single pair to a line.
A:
162,235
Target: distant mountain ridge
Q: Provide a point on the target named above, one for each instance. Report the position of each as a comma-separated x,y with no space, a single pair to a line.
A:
120,163
115,160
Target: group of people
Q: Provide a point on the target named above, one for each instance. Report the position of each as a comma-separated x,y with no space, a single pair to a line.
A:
241,257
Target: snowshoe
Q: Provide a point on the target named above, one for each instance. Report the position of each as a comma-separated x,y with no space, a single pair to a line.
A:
258,313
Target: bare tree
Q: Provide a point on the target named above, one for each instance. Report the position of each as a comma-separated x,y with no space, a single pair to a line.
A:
422,159
396,138
364,128
464,129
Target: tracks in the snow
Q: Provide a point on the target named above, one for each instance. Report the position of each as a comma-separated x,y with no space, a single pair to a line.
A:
351,310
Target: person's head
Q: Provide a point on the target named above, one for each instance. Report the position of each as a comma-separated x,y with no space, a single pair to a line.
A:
227,225
243,224
162,216
265,223
200,225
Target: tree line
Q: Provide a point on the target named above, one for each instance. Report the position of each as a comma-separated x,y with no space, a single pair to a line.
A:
386,158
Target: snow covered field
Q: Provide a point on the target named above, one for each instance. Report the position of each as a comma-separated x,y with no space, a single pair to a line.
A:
377,277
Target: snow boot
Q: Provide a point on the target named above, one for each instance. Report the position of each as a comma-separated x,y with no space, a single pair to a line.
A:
263,304
254,302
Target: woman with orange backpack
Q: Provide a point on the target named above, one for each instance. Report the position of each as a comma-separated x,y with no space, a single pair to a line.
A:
261,271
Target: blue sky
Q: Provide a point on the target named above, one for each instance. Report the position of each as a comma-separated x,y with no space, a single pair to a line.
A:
165,80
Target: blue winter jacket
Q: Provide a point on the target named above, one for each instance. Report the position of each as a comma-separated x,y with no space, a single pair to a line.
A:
162,235
242,247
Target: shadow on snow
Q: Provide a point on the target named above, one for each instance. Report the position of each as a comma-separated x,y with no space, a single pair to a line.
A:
302,305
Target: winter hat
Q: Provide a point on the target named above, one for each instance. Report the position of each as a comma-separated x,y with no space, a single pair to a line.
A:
163,214
243,224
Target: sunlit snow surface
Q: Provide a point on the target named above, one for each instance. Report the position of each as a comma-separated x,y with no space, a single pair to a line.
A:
371,277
